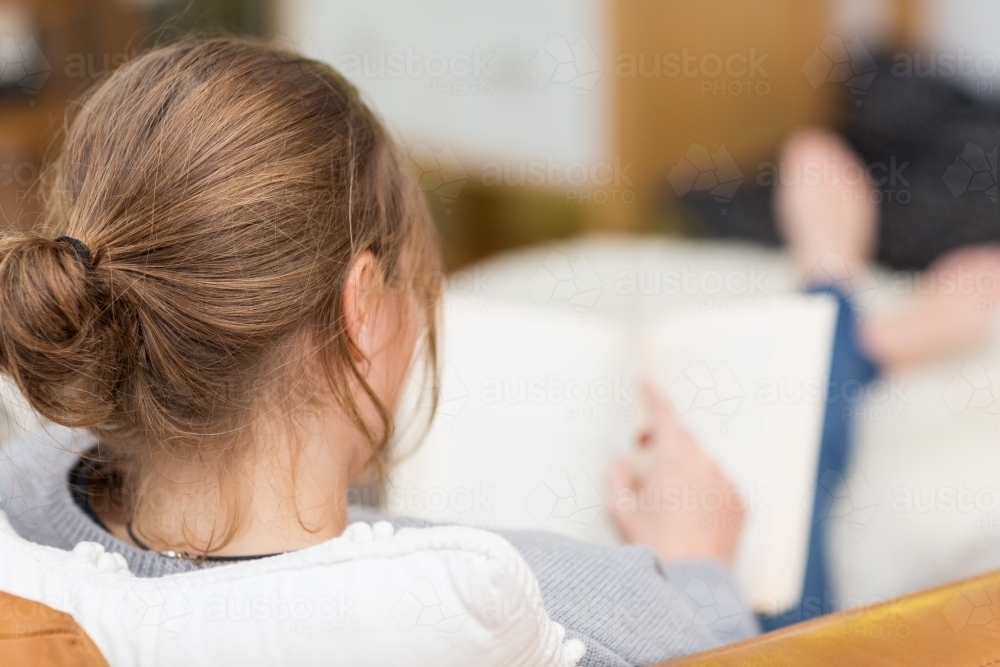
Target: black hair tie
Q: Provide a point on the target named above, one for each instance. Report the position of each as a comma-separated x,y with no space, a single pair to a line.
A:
79,249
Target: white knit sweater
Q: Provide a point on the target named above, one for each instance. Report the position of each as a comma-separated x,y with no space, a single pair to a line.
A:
626,606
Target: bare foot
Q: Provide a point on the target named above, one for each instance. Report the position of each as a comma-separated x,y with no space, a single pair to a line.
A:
955,304
825,207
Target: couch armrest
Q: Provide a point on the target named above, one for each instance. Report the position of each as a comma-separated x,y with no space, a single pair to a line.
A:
955,624
34,635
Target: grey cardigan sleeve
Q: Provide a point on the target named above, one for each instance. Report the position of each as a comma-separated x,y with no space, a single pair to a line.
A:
626,606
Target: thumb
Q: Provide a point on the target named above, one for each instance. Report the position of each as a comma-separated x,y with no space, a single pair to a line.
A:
669,439
658,405
665,418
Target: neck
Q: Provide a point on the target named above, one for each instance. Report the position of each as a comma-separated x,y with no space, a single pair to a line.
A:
294,496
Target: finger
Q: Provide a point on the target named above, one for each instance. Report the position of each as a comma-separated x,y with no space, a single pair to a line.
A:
665,421
667,432
672,445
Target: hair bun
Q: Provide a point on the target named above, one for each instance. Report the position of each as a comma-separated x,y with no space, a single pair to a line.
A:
54,338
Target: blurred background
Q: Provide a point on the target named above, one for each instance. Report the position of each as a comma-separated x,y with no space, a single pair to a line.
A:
530,120
534,120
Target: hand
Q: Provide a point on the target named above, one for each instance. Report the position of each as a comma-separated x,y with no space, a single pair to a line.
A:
685,508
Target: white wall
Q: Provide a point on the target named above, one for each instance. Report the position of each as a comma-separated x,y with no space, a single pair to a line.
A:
967,30
970,28
868,19
519,104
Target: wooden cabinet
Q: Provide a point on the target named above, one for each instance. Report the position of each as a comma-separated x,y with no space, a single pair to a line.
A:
51,51
721,74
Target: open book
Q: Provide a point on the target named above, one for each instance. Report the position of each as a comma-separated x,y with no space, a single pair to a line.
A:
534,406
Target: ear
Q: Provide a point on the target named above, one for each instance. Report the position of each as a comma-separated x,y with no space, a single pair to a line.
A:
360,303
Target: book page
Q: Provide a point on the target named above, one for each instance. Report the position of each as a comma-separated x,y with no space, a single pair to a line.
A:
535,405
751,388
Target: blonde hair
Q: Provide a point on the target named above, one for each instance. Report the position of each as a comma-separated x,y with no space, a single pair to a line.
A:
221,190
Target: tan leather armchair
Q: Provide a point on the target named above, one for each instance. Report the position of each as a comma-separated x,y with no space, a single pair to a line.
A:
34,635
954,625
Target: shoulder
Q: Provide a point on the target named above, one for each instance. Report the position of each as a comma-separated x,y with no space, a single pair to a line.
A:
33,469
626,605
